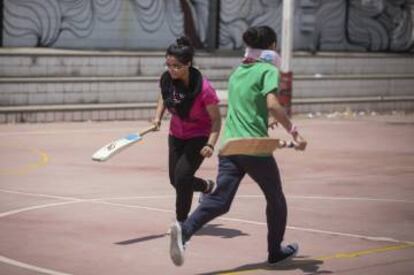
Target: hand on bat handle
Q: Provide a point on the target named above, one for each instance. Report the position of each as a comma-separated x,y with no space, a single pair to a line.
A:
149,129
157,124
298,144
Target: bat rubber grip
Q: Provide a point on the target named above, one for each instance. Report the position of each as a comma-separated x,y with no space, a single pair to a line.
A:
290,144
147,130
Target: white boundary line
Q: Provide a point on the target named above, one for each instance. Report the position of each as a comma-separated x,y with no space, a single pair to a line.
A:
370,238
102,201
66,131
238,196
30,267
335,198
39,195
21,210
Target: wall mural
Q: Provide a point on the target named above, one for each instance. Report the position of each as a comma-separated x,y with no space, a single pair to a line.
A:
47,23
151,14
327,25
388,24
41,22
356,25
237,15
320,25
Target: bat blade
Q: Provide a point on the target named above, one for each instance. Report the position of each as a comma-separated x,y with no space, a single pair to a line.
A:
252,146
115,147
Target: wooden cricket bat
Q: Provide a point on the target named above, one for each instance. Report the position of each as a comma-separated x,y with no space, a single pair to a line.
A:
119,145
253,146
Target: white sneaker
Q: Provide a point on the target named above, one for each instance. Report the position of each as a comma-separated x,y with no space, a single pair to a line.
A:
176,244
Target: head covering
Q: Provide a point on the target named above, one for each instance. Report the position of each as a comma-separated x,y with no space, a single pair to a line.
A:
251,55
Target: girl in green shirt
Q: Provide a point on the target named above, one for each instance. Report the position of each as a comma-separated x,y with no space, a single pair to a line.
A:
253,88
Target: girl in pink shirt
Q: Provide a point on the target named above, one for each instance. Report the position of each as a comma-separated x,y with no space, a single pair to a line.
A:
195,123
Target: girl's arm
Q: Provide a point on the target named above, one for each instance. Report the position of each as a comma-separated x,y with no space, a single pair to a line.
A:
159,112
277,111
215,116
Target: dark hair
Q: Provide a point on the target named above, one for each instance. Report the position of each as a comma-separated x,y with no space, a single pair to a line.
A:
259,37
182,50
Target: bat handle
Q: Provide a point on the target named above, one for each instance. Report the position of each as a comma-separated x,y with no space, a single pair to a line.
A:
147,130
286,144
290,144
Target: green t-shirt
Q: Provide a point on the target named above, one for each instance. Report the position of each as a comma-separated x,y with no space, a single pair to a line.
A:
247,113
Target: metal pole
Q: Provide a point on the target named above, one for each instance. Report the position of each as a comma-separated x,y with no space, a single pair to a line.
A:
285,95
1,22
213,23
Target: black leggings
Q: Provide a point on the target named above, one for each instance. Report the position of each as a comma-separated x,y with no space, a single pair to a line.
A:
184,161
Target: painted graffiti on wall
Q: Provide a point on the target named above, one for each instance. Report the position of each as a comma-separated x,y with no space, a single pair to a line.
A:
356,25
42,22
389,24
101,23
151,15
237,15
327,25
320,25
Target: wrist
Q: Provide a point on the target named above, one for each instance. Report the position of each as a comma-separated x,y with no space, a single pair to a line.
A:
293,130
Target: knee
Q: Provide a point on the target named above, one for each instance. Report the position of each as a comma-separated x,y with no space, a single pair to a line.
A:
221,206
182,178
224,209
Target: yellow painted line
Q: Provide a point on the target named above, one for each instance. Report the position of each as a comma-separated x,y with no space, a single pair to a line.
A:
344,255
43,160
378,250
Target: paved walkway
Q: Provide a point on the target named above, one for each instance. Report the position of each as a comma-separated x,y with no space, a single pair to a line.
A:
350,199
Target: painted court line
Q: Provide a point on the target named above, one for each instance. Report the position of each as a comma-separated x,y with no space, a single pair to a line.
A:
21,210
41,270
326,232
99,201
39,195
67,131
27,167
261,196
136,197
333,198
347,255
134,206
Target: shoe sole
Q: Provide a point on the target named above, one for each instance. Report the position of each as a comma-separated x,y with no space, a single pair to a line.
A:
175,250
285,260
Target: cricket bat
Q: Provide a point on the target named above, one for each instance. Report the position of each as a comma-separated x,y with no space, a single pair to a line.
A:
253,146
119,145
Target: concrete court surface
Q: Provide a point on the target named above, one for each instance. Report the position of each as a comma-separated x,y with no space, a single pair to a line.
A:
350,199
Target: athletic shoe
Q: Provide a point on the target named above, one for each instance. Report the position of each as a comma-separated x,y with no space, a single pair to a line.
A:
176,244
210,188
286,253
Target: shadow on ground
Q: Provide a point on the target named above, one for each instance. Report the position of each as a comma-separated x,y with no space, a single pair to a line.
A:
305,264
209,230
141,239
218,231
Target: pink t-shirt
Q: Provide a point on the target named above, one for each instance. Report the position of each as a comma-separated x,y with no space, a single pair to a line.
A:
198,123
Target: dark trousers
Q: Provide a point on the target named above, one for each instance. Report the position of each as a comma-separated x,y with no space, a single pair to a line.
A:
184,161
262,170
